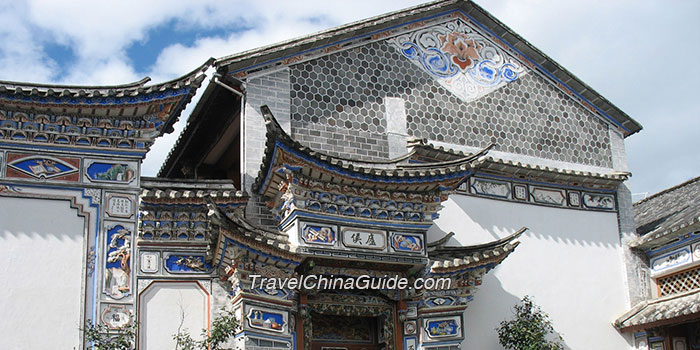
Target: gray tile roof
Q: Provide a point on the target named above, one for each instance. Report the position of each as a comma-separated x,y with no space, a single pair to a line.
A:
422,150
160,189
59,98
657,312
668,214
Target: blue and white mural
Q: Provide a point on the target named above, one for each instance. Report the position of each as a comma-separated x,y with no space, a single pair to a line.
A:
463,61
118,262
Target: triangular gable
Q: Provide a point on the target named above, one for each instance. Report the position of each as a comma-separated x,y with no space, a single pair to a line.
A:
498,57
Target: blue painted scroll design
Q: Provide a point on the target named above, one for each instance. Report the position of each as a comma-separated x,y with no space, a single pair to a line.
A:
461,59
187,264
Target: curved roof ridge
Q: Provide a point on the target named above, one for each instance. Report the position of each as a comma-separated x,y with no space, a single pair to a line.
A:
467,158
423,144
482,246
449,259
141,84
442,241
29,85
237,222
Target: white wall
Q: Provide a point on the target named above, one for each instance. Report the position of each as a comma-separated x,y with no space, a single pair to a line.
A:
41,264
165,307
569,262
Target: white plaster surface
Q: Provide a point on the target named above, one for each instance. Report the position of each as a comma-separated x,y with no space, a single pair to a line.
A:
395,108
41,264
167,306
397,135
617,149
570,262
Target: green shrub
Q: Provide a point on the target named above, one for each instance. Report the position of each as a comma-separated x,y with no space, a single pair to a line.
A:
529,329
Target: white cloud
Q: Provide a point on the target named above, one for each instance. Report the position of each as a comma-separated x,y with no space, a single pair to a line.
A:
21,56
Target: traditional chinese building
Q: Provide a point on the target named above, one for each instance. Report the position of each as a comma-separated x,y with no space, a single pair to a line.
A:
669,229
432,142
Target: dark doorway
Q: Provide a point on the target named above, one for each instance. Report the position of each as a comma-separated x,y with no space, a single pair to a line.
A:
333,332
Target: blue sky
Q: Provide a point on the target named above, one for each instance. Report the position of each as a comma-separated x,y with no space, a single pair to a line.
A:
640,54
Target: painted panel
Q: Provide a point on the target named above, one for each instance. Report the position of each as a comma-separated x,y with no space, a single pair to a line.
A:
272,292
492,188
641,343
412,311
149,262
319,234
266,319
442,328
98,171
439,301
177,263
363,238
520,192
42,167
547,196
657,346
409,327
120,206
676,258
574,199
118,261
115,316
696,251
410,343
599,201
406,242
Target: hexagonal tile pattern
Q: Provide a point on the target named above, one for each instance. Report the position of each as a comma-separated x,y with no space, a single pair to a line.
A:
337,106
